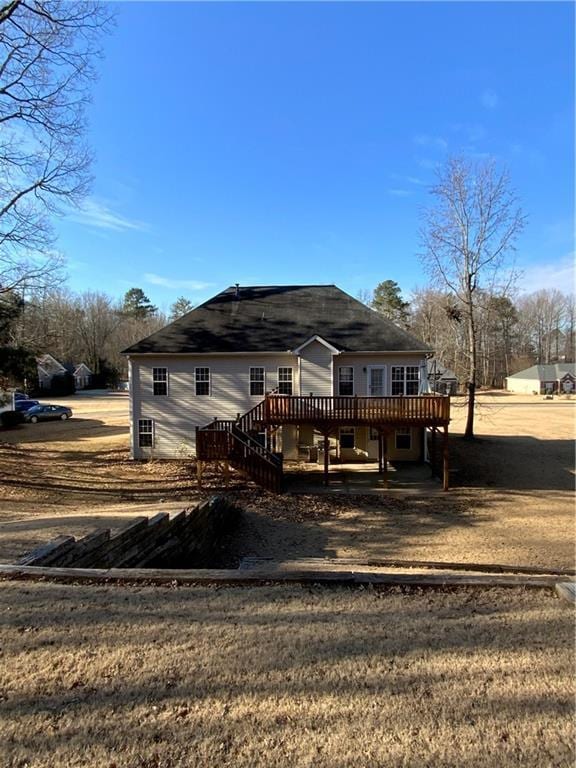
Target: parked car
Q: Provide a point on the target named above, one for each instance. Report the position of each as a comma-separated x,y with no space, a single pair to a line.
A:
20,396
25,405
47,413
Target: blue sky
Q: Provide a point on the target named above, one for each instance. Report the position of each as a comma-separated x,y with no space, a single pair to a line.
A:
266,143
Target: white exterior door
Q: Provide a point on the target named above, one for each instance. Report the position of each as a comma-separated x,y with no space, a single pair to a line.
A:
376,380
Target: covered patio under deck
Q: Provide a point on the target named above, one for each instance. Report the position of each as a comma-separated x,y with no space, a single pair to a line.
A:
383,414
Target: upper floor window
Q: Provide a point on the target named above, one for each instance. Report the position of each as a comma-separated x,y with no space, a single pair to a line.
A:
202,376
284,381
405,379
145,433
257,381
160,381
346,380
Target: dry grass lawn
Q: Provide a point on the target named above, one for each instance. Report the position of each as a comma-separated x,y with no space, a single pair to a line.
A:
109,677
514,502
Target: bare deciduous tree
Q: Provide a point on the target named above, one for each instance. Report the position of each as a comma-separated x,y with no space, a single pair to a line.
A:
467,236
47,51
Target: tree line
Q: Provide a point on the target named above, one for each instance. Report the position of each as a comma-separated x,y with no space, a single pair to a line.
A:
512,333
90,327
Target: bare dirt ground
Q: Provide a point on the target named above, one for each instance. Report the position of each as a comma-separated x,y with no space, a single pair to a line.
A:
513,503
109,677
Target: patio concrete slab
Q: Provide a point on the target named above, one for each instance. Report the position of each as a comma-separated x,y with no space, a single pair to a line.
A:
361,479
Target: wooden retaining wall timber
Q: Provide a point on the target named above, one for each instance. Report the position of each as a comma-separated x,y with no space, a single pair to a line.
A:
192,538
270,576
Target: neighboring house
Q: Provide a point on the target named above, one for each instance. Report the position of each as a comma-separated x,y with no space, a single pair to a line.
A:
49,366
82,376
544,379
287,367
441,379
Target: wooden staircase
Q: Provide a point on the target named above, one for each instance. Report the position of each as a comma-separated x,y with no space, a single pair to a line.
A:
232,441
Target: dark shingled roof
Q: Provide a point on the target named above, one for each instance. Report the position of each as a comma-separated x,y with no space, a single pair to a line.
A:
278,318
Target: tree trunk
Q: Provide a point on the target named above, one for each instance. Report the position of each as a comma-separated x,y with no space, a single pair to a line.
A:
469,431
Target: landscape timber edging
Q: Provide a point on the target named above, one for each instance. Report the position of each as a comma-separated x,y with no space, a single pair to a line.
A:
235,577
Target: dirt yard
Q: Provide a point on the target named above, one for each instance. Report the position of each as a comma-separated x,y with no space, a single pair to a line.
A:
513,504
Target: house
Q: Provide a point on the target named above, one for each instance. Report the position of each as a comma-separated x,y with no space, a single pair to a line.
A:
49,367
282,369
544,379
440,378
82,376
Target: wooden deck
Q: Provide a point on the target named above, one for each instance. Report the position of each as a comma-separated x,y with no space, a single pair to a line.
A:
225,439
418,411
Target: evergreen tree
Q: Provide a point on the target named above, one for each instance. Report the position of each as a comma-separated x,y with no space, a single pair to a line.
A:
388,302
180,307
137,305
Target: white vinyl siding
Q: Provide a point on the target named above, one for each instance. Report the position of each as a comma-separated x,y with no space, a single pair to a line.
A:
177,416
315,370
363,362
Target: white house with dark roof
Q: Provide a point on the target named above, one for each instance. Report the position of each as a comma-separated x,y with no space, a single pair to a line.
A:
315,360
554,378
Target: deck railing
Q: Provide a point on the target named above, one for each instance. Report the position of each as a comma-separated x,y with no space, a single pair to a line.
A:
424,410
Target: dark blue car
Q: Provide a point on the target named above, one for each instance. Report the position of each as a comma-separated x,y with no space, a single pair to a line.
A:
47,413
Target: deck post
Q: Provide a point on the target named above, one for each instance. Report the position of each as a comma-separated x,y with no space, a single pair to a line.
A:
433,451
326,456
446,469
379,452
385,458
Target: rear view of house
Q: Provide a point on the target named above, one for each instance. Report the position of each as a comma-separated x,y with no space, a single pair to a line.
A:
321,360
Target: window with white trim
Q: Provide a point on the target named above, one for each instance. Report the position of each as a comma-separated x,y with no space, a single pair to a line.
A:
347,437
202,378
284,381
346,380
403,439
160,381
145,433
405,379
257,381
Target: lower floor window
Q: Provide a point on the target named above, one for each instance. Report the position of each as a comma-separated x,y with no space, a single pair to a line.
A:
347,437
403,439
145,433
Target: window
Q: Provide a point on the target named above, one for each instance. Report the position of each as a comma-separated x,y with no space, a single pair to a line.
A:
145,433
374,434
160,381
257,381
403,439
346,380
405,379
202,381
347,435
284,381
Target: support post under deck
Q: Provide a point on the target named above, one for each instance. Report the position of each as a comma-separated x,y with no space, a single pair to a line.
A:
326,457
445,462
